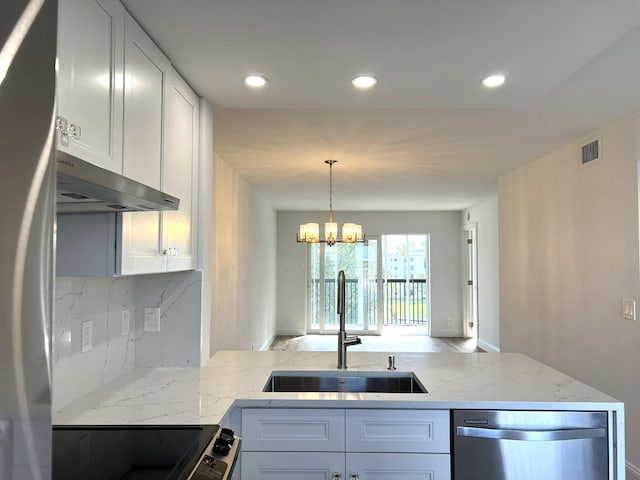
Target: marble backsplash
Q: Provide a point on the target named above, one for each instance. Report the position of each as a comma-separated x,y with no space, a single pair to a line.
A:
179,296
101,301
114,350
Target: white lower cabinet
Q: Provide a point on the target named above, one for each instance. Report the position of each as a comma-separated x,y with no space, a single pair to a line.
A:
291,430
341,466
345,444
401,466
401,431
292,465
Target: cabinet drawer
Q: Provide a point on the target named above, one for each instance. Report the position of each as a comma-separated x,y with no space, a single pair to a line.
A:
412,431
399,466
291,466
293,430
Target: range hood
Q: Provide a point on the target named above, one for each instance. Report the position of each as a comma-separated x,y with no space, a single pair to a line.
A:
84,188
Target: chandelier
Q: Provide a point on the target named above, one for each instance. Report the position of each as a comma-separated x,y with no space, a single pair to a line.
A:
351,232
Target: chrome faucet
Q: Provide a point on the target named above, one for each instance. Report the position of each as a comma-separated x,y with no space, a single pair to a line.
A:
344,341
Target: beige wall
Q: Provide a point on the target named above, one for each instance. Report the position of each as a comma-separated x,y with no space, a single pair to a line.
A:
446,240
205,223
243,264
485,216
568,255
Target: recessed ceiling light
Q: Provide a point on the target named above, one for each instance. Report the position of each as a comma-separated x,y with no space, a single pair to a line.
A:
493,81
255,81
364,81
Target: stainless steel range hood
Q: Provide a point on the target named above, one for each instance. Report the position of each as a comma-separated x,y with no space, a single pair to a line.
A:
84,187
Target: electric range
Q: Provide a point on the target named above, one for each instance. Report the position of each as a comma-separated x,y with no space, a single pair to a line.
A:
146,452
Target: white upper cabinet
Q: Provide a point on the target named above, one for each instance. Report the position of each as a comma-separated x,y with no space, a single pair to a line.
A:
149,118
90,81
180,173
145,68
160,150
145,77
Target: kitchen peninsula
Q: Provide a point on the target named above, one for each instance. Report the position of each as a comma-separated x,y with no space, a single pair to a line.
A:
232,382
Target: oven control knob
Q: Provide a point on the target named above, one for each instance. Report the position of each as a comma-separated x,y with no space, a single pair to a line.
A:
227,435
221,447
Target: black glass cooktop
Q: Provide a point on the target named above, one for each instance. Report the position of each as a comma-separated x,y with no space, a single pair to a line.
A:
128,452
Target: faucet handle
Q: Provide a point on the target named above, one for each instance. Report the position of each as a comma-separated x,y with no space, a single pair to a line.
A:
392,362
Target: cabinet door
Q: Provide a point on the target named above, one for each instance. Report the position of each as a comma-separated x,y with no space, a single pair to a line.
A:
145,76
398,466
292,466
420,431
145,80
90,79
292,430
180,173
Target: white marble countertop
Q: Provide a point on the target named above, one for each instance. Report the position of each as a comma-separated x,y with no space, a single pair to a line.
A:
233,378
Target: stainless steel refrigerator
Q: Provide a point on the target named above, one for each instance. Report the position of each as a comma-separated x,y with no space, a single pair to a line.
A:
27,109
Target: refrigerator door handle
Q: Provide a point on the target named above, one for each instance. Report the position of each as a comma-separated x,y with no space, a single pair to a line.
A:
531,435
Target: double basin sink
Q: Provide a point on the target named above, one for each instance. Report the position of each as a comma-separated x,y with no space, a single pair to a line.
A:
344,382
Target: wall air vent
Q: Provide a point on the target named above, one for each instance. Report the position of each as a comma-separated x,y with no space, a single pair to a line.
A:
591,152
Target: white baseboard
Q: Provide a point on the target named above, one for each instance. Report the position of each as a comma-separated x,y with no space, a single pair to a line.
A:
488,347
267,344
633,472
290,333
453,332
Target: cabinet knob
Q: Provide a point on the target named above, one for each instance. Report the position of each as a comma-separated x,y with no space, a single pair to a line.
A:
61,125
336,476
74,131
354,476
68,130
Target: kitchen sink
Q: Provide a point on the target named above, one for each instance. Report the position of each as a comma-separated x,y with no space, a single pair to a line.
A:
350,382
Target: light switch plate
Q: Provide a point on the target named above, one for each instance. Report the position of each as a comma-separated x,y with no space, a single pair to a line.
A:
87,336
125,322
629,308
152,319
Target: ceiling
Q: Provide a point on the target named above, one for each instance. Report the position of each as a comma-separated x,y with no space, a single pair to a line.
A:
429,136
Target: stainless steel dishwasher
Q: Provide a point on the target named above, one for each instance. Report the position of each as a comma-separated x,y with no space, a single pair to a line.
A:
528,445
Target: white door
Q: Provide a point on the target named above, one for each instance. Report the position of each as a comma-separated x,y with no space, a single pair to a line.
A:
471,281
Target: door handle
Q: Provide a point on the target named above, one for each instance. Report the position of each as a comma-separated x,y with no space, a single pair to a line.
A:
531,435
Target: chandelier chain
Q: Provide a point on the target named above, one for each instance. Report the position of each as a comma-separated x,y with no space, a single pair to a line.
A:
331,192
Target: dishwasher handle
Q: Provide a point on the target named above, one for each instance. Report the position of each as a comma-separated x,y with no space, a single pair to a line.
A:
531,435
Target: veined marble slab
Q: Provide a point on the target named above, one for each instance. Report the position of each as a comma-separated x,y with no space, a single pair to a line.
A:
231,378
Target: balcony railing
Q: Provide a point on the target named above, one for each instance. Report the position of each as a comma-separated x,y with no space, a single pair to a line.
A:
404,301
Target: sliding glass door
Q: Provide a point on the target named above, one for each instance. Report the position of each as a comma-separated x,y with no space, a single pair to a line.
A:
388,284
406,278
361,265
